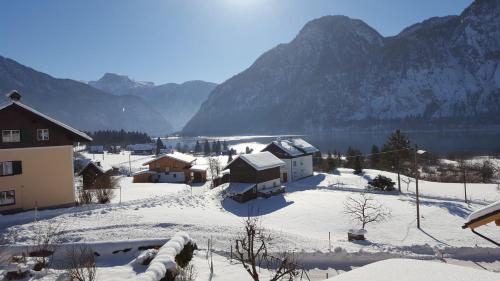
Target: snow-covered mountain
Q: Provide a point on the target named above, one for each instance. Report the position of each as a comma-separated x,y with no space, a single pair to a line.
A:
176,102
78,104
117,84
340,73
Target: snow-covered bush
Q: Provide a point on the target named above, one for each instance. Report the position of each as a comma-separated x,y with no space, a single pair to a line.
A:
146,257
381,183
164,262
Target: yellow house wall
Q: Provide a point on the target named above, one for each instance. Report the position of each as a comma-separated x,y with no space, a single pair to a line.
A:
46,179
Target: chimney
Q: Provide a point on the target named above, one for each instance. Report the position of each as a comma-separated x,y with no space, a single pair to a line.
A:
14,95
98,163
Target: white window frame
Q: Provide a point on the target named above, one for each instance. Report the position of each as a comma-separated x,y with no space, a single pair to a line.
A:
6,168
9,136
3,197
42,134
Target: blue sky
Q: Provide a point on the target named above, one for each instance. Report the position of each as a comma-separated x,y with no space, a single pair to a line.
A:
178,40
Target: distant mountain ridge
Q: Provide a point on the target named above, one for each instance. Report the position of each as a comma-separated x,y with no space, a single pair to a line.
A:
176,102
339,73
79,104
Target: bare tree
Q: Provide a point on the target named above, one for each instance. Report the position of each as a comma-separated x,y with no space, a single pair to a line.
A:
407,180
47,236
215,168
80,263
187,273
364,209
104,188
251,252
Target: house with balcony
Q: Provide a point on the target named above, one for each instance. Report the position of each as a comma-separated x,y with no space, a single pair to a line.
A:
36,158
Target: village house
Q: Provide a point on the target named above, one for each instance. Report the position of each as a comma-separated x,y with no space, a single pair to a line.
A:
141,148
297,155
173,168
92,171
253,175
36,158
97,149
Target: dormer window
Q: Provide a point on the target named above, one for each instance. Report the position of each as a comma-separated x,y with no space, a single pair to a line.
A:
42,134
11,135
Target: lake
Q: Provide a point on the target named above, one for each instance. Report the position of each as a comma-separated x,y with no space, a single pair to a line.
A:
438,142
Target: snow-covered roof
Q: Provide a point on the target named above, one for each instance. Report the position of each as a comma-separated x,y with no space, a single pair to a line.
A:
140,146
143,172
414,270
234,188
483,213
186,158
294,147
101,166
67,127
288,147
303,145
260,161
199,168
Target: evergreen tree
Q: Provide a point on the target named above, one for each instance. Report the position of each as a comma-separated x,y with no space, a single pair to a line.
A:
331,162
358,164
225,146
397,148
206,148
374,157
185,148
178,147
159,146
230,158
218,147
214,146
248,150
197,147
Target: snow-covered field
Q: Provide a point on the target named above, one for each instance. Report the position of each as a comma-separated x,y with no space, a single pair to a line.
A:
301,220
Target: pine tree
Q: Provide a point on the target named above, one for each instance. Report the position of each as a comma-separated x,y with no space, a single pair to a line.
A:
374,157
397,148
159,146
178,147
358,164
225,146
230,158
197,147
206,148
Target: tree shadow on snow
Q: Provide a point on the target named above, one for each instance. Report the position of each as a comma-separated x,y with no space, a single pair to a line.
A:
453,208
256,207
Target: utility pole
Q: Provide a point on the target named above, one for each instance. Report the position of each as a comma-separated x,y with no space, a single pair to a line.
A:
129,165
465,182
416,187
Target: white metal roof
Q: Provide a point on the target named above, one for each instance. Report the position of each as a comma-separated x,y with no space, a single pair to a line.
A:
186,158
67,127
260,161
199,168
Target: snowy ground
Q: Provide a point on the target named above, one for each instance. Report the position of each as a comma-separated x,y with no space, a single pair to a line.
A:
300,219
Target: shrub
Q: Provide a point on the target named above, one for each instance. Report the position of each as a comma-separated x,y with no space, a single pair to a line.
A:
381,183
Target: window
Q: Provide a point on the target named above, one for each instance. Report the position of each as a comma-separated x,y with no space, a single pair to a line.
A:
7,198
9,168
42,134
294,163
175,176
11,135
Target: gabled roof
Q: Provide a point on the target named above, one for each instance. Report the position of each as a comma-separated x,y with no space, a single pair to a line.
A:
188,159
259,161
483,215
294,147
303,145
58,123
102,167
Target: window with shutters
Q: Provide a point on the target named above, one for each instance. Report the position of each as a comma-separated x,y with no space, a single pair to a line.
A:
7,198
42,134
11,135
10,168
